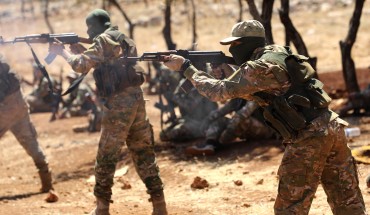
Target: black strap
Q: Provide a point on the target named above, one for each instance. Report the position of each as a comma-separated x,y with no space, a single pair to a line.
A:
42,69
74,84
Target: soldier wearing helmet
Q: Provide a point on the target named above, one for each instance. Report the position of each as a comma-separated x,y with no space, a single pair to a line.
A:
124,115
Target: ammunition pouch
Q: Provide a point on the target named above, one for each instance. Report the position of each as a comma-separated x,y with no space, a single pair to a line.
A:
111,79
304,102
284,117
318,97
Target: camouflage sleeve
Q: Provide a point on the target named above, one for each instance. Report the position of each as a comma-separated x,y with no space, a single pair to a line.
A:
100,51
251,77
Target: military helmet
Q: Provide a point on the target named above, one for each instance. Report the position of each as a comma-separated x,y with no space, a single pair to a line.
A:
98,17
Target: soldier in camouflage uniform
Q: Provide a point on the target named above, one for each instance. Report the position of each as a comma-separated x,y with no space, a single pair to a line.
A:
124,115
244,124
78,102
40,99
15,117
296,106
193,108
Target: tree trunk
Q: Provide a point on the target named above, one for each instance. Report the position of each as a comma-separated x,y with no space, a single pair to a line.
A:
130,24
240,11
253,10
46,16
349,69
266,18
194,20
167,26
293,34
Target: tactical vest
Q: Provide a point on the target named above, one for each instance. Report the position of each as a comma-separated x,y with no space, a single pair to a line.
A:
304,101
114,76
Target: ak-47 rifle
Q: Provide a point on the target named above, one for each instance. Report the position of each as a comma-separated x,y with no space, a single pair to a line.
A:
65,38
198,59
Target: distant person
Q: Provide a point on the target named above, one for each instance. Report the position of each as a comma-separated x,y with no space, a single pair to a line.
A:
193,108
294,104
244,124
78,102
41,99
14,116
124,116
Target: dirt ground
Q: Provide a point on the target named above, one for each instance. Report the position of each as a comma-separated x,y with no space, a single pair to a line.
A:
242,178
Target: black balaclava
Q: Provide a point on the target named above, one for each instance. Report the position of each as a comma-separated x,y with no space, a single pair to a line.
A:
243,52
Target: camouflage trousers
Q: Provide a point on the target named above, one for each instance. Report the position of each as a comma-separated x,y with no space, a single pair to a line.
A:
15,117
126,122
326,159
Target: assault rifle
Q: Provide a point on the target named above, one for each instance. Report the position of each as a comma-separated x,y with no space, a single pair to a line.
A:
65,38
198,59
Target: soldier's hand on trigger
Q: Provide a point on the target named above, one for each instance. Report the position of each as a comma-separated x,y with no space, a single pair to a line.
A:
174,62
56,48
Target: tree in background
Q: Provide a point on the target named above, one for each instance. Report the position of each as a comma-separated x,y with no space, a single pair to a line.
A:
292,35
45,9
349,70
131,25
167,26
264,18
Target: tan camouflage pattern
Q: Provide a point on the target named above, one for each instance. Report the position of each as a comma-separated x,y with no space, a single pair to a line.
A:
326,160
308,158
253,76
124,122
103,49
15,117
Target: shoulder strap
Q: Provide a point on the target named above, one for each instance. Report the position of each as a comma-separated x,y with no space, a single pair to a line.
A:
120,37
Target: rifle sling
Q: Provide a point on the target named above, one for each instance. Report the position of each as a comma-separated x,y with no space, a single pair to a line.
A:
42,69
74,84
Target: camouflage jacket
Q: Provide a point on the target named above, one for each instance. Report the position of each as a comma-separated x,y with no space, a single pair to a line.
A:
256,75
103,49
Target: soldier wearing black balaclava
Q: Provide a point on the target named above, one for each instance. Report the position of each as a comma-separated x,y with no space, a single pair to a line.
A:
124,119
